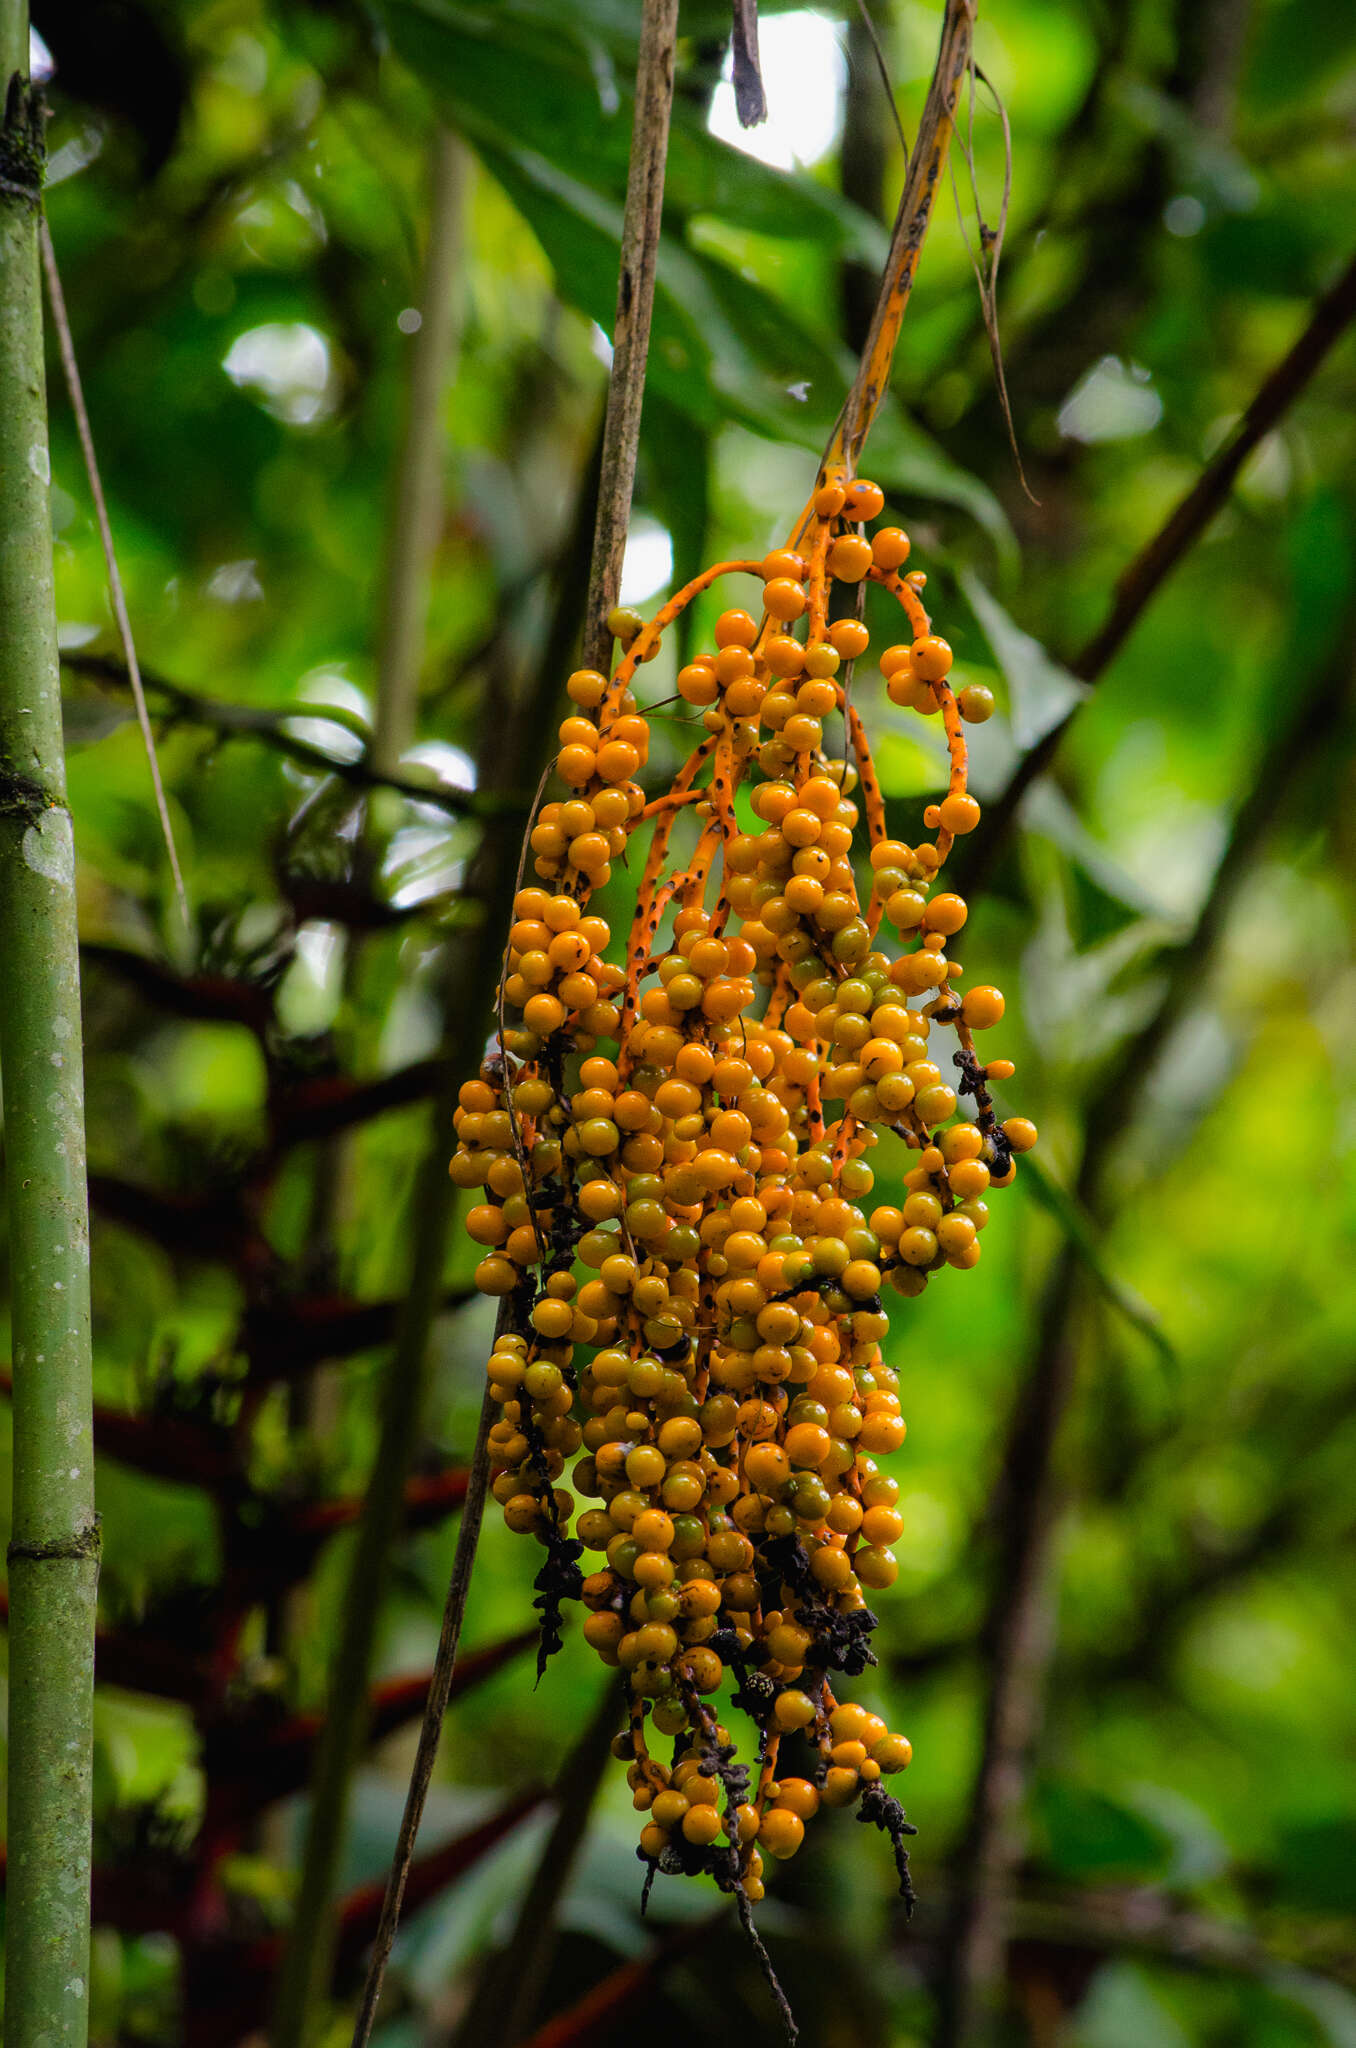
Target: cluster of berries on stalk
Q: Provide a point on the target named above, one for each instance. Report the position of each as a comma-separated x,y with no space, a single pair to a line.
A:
673,1150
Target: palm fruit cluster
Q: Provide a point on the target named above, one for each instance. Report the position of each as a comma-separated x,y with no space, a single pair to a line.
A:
671,1147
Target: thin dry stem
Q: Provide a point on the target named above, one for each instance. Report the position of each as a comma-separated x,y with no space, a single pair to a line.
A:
985,263
621,437
884,70
117,598
631,330
435,1708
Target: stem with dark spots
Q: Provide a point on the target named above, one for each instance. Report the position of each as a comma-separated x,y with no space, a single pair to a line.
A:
925,170
631,332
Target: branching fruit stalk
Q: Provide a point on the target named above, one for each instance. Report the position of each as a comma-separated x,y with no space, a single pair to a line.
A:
53,1553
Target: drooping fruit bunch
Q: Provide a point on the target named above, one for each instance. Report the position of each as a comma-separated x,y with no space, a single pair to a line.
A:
674,1152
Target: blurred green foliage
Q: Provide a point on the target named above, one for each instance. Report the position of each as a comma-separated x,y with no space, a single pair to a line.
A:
237,200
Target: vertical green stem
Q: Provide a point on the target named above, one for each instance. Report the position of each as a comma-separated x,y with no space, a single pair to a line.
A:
303,1986
417,513
53,1554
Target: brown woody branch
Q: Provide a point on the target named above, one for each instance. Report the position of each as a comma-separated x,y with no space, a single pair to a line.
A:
286,1338
249,1763
1140,582
1019,1626
269,724
320,1107
214,998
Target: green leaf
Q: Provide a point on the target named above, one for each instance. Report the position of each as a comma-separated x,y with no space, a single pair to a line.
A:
1046,809
1079,1228
1316,1860
707,322
572,102
1331,2006
1041,692
1090,1834
906,461
675,482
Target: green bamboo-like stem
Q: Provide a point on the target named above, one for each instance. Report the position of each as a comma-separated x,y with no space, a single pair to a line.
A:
53,1554
411,546
524,739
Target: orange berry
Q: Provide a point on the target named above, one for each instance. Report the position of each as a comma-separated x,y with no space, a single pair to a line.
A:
798,1796
831,1567
982,1007
959,814
781,1832
645,1465
945,914
882,1525
736,629
496,1276
807,1444
881,1434
793,1710
849,637
543,1014
697,683
890,548
892,1752
603,1631
876,1569
849,558
864,500
485,1223
847,1721
702,1824
767,1467
955,1234
840,1786
783,599
932,658
783,654
587,687
734,664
